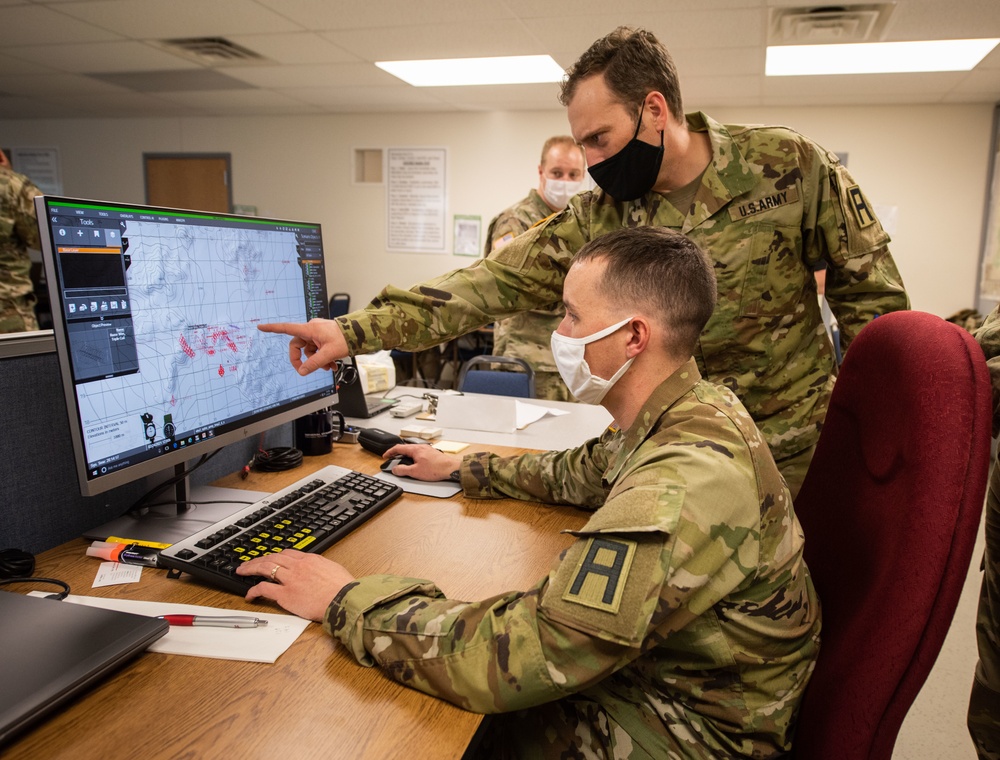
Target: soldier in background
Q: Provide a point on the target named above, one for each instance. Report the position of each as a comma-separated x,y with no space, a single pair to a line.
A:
18,233
682,622
765,203
526,335
984,704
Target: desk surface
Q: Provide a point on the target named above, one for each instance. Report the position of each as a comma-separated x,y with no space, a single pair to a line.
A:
315,701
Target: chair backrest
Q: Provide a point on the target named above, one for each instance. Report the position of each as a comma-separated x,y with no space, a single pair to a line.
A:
340,304
890,508
520,384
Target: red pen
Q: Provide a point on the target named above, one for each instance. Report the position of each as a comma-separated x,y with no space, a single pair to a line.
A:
233,621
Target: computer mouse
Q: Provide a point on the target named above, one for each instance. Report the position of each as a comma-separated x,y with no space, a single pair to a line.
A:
390,464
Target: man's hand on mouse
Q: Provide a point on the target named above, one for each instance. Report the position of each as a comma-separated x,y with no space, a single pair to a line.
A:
428,462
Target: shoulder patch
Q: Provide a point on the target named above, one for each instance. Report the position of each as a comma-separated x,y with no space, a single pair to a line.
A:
600,576
863,213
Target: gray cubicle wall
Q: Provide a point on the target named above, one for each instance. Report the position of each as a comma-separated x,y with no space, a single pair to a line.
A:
40,502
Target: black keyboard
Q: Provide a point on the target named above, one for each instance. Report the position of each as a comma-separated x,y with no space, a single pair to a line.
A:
309,515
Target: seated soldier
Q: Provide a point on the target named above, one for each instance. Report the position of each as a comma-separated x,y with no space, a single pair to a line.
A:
682,622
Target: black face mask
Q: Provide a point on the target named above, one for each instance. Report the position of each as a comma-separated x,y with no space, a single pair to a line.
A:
631,172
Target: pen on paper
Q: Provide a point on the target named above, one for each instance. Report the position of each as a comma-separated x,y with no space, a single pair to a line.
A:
225,621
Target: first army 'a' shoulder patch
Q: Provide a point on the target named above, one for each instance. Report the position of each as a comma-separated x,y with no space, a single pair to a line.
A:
600,576
863,213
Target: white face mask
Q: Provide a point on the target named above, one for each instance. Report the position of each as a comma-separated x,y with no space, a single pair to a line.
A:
573,368
557,192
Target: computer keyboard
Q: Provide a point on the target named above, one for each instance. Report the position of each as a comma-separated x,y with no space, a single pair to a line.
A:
309,515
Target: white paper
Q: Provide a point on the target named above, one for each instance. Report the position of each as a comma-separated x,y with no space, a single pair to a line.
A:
263,644
475,411
528,413
116,573
496,414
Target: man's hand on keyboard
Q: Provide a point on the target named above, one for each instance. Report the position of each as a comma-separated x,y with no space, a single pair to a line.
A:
304,584
428,462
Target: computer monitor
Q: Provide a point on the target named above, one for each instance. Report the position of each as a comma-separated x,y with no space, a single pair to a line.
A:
155,315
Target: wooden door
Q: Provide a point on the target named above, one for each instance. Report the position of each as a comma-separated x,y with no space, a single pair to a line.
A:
197,181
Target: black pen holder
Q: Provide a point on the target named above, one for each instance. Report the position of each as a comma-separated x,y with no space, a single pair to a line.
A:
316,432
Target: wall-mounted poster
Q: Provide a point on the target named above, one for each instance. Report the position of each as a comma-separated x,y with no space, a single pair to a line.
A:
416,199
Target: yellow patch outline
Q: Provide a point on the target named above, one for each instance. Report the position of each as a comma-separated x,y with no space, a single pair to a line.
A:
591,594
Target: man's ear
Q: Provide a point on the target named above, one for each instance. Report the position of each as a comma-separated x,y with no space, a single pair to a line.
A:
656,106
639,336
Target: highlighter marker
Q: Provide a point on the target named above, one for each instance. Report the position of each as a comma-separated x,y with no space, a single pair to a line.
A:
131,554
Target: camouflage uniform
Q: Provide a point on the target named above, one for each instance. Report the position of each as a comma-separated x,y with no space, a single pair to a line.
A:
984,705
526,336
771,204
681,623
18,233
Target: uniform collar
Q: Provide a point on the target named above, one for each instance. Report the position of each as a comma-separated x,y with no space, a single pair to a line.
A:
543,208
647,421
728,175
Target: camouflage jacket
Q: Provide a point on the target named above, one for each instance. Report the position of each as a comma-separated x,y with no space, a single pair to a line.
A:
18,233
683,609
988,336
771,205
524,336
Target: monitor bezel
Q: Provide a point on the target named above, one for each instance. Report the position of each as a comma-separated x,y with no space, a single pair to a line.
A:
169,460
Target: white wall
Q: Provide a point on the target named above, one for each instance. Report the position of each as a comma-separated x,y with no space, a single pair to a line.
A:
929,161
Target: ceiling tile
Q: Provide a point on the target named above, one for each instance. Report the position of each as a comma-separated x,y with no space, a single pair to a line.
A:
322,75
322,15
101,56
53,84
35,25
152,19
239,102
469,40
294,48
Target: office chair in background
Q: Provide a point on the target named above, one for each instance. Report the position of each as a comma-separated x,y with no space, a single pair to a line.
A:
498,382
340,304
890,508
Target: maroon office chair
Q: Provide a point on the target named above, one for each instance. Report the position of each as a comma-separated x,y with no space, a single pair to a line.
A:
890,508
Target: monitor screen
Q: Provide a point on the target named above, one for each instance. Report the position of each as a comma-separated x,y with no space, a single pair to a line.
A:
155,316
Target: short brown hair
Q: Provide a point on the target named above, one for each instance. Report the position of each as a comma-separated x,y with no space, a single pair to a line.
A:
566,140
634,64
662,270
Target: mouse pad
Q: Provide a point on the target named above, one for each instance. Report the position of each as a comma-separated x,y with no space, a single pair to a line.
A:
441,489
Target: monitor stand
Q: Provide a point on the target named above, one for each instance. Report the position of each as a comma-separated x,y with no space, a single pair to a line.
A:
169,523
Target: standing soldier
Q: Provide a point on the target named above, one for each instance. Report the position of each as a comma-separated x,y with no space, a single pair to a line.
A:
526,335
18,233
765,203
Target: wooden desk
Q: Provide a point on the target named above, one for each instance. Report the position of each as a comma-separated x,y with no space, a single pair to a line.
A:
315,701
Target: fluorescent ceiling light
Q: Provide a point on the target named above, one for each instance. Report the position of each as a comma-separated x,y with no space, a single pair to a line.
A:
450,72
876,57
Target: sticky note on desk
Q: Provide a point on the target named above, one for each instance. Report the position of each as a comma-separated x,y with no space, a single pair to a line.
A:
450,447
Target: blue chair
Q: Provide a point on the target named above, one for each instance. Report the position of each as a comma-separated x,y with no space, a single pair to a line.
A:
519,384
340,304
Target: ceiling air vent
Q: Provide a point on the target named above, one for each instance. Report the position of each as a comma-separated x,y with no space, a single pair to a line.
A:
829,24
211,51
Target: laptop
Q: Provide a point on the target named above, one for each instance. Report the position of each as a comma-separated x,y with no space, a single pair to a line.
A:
53,650
352,401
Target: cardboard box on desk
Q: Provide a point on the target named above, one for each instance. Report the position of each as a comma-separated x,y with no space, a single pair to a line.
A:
495,414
